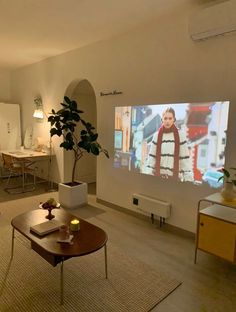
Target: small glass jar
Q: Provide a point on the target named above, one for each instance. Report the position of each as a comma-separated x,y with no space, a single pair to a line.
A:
74,225
64,232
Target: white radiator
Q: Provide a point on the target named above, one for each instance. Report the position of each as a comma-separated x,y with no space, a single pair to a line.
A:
151,205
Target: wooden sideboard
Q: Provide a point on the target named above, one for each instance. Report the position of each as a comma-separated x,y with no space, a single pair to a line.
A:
216,227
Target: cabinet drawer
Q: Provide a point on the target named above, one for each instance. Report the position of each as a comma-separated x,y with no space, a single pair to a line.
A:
217,237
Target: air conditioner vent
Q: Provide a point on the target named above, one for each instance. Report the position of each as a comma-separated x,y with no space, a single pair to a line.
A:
214,20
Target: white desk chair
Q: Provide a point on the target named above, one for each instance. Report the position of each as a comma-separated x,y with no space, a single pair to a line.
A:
16,167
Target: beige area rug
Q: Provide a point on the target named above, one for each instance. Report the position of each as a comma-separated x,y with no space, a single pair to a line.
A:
33,285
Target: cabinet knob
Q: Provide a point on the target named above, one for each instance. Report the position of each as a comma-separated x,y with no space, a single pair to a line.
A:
201,223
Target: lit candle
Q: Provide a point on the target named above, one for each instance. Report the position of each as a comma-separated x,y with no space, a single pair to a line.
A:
74,225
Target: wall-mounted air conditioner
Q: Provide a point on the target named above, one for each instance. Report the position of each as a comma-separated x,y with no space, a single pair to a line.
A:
213,20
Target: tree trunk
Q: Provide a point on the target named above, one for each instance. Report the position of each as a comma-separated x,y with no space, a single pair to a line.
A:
73,171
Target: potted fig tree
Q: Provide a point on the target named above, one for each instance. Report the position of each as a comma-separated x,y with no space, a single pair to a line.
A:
80,137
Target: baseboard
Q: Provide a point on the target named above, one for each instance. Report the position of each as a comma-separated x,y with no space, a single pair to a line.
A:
165,227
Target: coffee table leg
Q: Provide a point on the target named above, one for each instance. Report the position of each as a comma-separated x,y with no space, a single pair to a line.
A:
105,251
12,242
62,283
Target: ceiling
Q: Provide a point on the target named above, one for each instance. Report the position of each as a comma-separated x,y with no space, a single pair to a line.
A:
32,30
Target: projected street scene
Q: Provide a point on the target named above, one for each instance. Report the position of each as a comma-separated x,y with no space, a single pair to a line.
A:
184,141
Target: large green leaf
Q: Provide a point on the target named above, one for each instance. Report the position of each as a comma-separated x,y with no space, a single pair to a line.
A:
85,145
67,145
73,105
55,131
67,100
58,125
226,172
50,118
69,136
83,132
94,149
83,122
61,111
75,116
93,137
65,113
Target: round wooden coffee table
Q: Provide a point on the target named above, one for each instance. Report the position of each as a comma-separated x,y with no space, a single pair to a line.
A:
88,239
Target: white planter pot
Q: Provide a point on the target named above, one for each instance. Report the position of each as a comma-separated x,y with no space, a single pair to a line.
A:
72,197
228,191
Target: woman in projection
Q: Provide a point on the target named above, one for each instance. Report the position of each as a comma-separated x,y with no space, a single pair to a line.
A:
169,153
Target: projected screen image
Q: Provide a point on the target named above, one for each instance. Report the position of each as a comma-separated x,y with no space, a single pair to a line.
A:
184,141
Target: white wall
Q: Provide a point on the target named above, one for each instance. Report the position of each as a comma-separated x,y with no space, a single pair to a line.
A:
157,63
85,97
4,86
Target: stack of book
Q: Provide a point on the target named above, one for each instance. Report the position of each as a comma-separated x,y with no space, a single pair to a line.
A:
46,227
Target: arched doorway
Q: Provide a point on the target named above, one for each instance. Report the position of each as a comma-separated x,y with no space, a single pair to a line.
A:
83,93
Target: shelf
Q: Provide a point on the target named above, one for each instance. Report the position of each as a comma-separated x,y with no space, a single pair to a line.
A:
220,212
216,198
216,227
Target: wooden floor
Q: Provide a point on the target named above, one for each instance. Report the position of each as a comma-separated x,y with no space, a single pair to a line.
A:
41,188
208,286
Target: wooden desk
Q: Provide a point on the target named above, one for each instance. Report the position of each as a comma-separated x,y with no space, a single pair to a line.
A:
88,239
25,154
26,158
